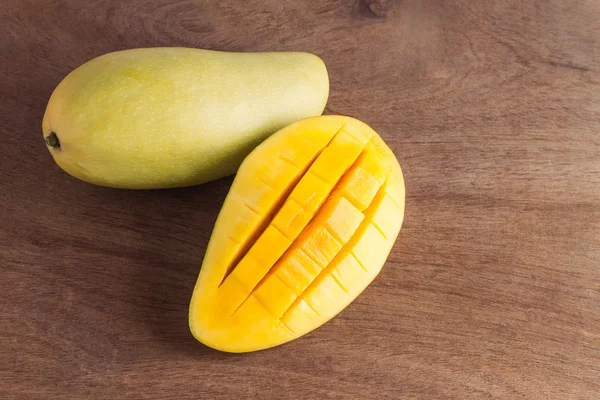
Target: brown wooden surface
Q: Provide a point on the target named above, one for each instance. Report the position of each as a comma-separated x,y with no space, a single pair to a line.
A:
491,292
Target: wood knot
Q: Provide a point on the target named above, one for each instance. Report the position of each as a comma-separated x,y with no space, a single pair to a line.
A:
374,8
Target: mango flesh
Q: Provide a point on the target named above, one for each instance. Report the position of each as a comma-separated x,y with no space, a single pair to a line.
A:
170,117
308,223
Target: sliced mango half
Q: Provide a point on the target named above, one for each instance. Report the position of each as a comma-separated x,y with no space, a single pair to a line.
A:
308,223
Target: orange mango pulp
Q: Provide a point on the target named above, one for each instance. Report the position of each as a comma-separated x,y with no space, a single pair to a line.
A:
308,223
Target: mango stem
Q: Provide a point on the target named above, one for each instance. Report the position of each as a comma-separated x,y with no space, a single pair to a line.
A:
52,140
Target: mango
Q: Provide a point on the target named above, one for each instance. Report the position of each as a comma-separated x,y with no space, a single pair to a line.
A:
308,223
169,117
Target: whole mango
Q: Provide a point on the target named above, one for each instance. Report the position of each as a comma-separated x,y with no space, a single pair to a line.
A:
169,117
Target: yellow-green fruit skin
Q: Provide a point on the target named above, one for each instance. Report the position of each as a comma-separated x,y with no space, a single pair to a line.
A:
170,117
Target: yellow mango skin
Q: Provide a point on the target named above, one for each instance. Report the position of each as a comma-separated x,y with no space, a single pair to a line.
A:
308,223
170,117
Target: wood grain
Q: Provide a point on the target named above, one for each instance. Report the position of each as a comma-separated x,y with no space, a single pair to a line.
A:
491,292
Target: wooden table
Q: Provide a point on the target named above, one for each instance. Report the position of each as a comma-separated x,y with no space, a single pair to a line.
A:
491,292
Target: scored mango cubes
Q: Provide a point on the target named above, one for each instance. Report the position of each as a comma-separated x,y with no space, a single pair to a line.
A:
308,223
